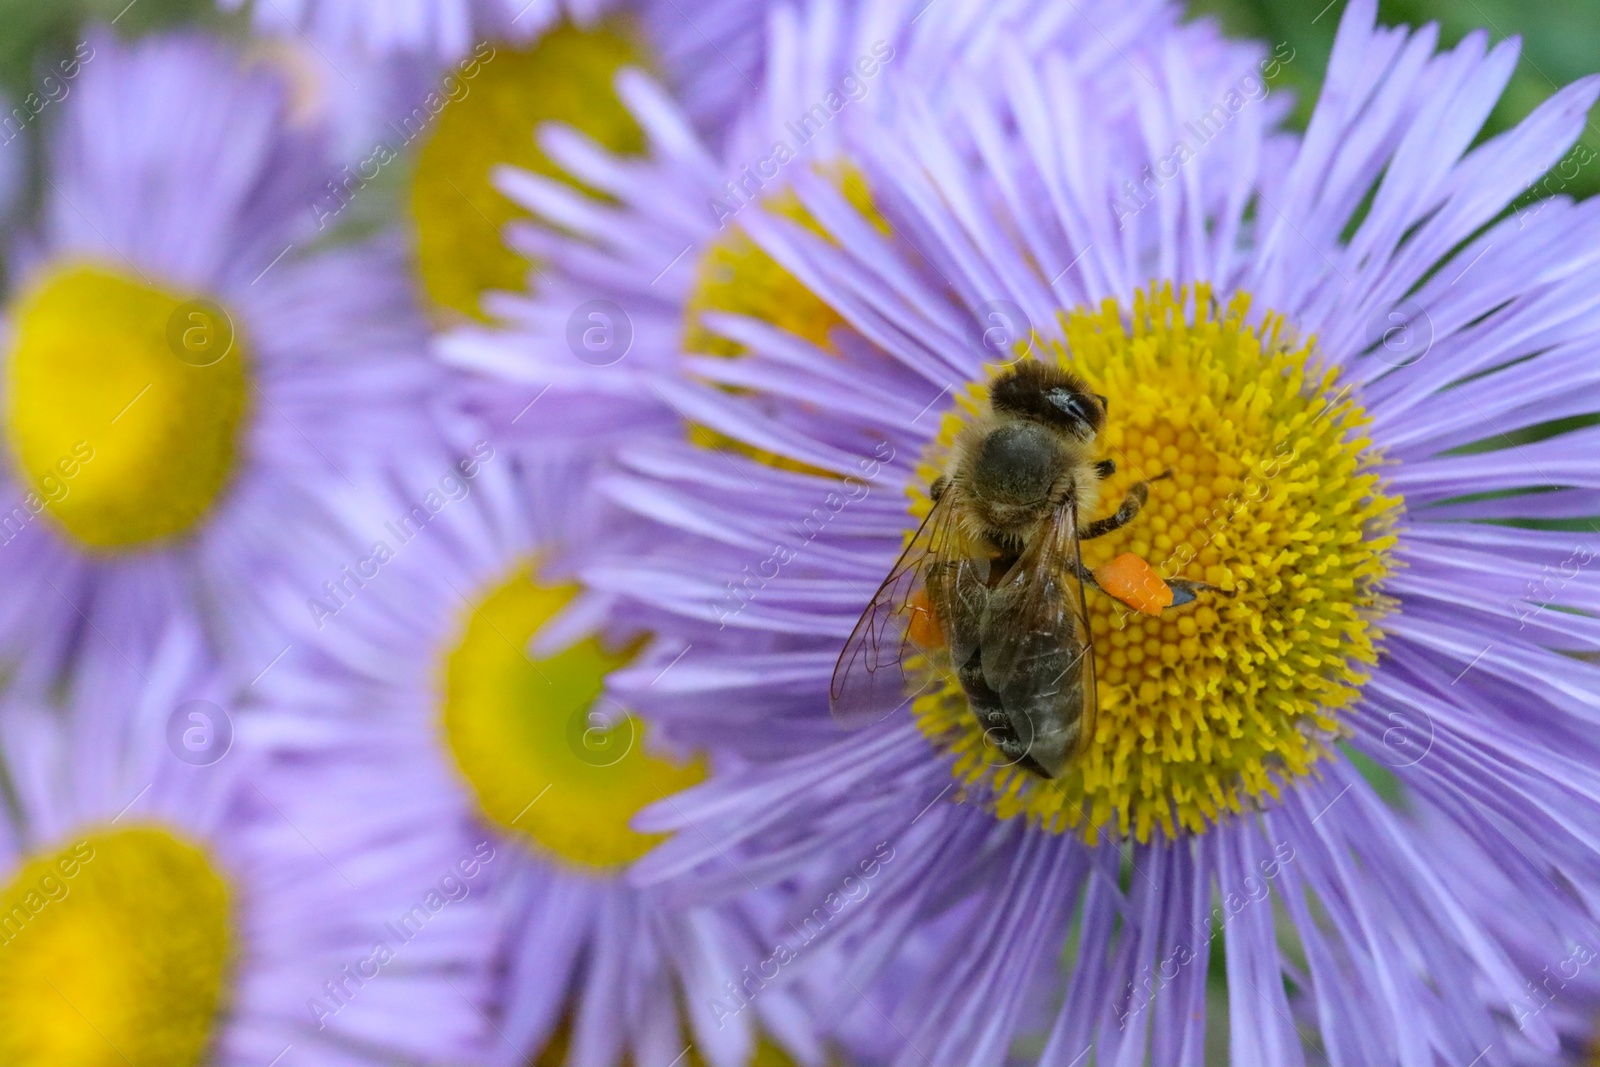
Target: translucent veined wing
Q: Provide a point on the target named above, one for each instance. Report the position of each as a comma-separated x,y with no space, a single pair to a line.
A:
1091,681
903,622
1036,637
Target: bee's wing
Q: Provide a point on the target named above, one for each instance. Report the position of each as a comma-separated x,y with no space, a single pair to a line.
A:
1043,605
1072,566
869,680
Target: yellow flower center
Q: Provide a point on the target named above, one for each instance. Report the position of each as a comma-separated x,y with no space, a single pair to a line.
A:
113,951
545,754
124,404
1209,707
491,119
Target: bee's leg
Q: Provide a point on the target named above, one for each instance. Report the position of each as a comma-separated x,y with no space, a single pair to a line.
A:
936,490
1126,512
1105,468
1185,591
1086,576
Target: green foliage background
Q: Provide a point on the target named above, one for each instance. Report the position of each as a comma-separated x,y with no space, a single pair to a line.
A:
35,32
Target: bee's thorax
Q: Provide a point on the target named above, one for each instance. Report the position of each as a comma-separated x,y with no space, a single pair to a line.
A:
1017,463
1014,473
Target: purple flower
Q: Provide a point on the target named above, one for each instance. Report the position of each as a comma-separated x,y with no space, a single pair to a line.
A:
445,28
165,898
626,279
451,689
709,48
183,365
1558,959
1315,349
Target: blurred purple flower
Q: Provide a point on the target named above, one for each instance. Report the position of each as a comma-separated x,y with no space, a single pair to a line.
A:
622,285
709,49
169,897
185,365
452,691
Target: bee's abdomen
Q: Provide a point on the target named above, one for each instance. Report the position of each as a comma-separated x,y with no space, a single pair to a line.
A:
984,702
1035,668
1047,722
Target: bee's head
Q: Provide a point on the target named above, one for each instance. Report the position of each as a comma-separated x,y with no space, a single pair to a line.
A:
1050,395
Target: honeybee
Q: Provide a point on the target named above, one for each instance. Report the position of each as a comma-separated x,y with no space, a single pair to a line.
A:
992,584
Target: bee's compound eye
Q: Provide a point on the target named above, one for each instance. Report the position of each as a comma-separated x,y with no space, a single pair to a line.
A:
1074,405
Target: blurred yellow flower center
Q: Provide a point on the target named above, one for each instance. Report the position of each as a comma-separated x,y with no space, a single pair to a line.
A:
1207,708
545,754
124,404
113,951
735,276
567,77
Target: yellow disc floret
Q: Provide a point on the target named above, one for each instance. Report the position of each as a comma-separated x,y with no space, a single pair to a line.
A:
567,77
545,754
113,951
1207,708
124,403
